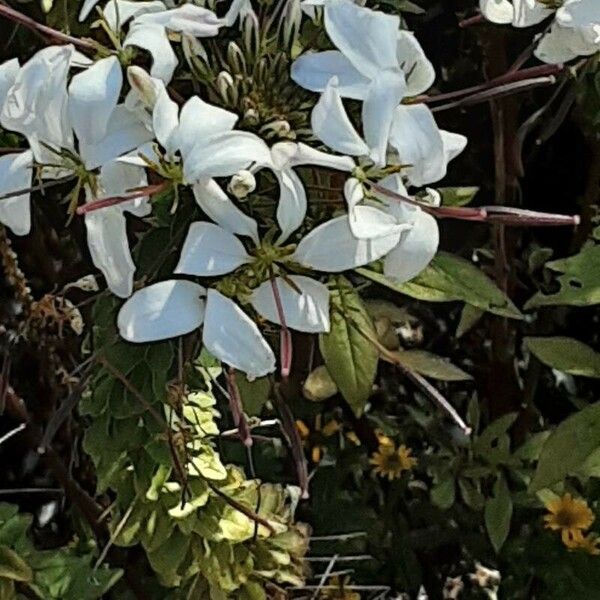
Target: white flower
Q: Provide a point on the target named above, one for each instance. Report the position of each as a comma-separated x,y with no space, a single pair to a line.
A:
414,136
519,13
39,106
375,62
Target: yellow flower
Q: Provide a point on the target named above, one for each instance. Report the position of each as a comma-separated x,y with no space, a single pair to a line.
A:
383,439
337,589
391,462
570,516
314,440
586,543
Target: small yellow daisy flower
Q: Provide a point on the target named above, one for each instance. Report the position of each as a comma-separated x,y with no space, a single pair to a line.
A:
586,543
568,515
391,462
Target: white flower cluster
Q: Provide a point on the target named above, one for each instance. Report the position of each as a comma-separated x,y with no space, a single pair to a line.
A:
575,29
106,128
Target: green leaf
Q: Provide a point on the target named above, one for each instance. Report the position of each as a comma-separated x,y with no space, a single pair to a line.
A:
351,359
579,281
498,513
443,492
469,317
254,394
568,447
494,443
450,278
12,566
566,354
457,196
431,365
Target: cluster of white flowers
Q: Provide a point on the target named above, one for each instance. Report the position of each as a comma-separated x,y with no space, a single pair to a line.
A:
575,29
89,120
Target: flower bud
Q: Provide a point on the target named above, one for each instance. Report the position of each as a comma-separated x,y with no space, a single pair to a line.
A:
279,128
143,84
319,385
226,86
242,184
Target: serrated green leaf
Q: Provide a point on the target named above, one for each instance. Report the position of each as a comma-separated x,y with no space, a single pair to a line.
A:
12,566
565,354
579,280
568,447
431,365
498,514
350,357
450,278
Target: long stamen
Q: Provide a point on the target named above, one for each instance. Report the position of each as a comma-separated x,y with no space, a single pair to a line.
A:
285,336
149,190
235,405
57,36
506,215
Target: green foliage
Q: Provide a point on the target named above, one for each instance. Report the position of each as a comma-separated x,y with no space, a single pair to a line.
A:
62,574
566,354
350,357
450,278
568,447
579,280
431,365
457,196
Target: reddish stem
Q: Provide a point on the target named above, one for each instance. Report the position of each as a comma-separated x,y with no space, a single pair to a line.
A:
235,404
58,36
474,20
149,190
285,335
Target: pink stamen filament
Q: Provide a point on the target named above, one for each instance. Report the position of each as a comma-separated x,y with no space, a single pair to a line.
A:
115,200
285,337
235,405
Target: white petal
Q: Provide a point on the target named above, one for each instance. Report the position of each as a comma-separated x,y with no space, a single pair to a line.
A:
93,95
36,104
497,11
313,72
109,248
579,13
291,208
8,74
188,18
418,141
200,121
117,178
385,93
417,68
165,120
414,252
305,304
330,123
332,247
86,9
15,174
562,44
454,144
210,250
153,38
369,222
118,12
291,154
124,133
219,207
162,311
366,37
353,193
232,337
529,12
224,155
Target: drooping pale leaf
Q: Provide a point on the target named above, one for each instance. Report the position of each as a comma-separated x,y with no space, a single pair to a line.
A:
431,365
349,356
569,446
13,566
469,317
579,281
566,354
498,513
457,196
450,278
